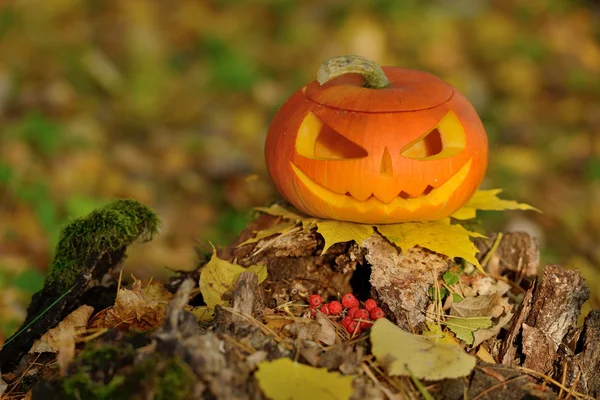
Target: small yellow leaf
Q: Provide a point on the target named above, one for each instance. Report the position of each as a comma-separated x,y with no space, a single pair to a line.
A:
464,327
402,353
284,379
485,355
219,277
202,313
439,236
435,333
342,231
281,228
488,200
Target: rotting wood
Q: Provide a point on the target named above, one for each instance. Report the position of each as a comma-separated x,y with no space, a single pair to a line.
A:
517,253
401,281
584,367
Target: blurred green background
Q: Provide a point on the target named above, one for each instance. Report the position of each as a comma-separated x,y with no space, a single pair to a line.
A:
168,102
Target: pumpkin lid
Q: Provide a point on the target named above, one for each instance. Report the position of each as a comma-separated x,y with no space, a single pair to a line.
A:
410,90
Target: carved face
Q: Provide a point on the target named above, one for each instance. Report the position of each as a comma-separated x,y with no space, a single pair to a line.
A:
415,151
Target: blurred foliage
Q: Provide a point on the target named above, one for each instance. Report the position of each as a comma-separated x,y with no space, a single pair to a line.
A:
169,103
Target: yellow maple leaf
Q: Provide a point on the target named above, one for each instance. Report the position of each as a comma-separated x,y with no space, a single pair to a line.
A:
284,379
488,200
438,236
341,231
219,277
406,354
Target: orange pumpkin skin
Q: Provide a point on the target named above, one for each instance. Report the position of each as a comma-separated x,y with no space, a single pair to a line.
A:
415,151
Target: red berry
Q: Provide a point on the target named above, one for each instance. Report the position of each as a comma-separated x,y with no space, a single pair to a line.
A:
377,313
365,324
353,327
352,311
315,300
349,301
345,322
362,314
335,307
370,304
325,309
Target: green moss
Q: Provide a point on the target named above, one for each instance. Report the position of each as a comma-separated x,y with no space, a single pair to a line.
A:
176,382
104,230
106,372
166,379
82,386
96,372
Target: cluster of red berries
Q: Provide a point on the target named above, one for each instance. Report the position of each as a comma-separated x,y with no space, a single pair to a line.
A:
356,319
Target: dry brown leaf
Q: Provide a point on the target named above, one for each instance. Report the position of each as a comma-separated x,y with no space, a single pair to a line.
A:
482,335
327,334
133,310
277,322
156,291
303,329
61,339
480,306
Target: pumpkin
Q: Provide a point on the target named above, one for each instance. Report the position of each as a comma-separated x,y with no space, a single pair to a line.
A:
376,145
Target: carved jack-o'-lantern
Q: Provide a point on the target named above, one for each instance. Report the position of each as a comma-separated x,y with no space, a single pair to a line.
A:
376,145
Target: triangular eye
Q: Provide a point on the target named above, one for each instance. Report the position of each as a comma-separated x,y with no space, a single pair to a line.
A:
318,140
447,139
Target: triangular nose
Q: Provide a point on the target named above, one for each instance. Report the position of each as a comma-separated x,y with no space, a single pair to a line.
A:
386,164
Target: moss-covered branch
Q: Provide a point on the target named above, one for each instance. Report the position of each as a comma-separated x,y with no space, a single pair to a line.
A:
88,248
105,230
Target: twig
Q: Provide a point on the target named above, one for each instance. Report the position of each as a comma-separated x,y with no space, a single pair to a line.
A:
372,376
262,326
554,382
497,386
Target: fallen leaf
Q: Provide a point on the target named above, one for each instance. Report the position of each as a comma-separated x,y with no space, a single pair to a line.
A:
304,329
488,200
134,309
482,335
276,323
327,334
281,228
438,236
402,353
340,232
218,277
202,313
295,216
61,339
434,332
485,306
155,290
64,332
479,306
464,328
485,355
284,379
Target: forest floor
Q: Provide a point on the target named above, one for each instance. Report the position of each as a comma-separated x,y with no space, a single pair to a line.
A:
243,324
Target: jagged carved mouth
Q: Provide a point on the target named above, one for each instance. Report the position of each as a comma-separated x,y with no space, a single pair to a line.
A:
431,196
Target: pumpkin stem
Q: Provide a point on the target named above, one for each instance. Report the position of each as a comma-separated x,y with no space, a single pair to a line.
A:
370,71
